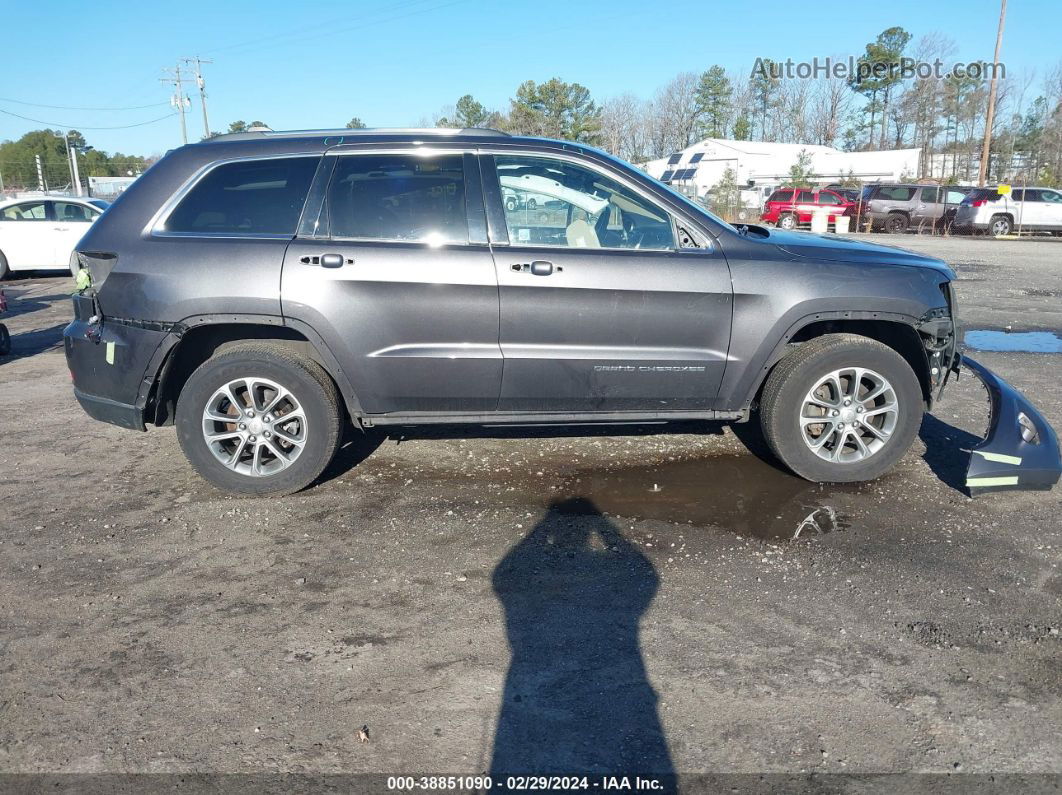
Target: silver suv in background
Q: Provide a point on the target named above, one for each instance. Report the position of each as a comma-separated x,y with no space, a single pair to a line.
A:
1028,209
897,207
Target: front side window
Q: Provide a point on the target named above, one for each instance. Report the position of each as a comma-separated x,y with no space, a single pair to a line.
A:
27,211
398,197
248,197
557,203
70,212
1051,196
829,198
954,196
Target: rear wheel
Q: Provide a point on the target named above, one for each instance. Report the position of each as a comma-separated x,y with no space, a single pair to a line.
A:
257,419
897,223
841,408
3,267
5,340
787,221
999,226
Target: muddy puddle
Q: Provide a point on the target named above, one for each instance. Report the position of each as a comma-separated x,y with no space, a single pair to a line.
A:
1014,341
740,494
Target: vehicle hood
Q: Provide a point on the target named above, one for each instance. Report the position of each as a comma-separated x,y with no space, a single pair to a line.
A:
834,248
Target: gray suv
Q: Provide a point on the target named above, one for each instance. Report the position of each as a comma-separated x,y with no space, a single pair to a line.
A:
896,207
262,291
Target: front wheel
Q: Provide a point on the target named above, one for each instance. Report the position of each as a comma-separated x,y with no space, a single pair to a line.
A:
256,419
5,340
841,408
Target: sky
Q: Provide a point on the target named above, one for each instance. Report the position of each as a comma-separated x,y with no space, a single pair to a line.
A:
317,63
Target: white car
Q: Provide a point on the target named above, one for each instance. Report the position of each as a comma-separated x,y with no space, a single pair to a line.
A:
41,232
1031,209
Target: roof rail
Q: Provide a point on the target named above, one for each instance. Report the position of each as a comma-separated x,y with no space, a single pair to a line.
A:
483,132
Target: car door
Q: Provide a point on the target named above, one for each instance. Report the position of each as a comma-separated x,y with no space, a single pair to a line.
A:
72,220
1051,209
601,310
394,272
926,207
804,205
27,239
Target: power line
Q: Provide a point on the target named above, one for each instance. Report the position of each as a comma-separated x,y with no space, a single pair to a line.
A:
82,126
78,107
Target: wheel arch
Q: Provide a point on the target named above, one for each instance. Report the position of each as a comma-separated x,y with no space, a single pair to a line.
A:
895,331
201,337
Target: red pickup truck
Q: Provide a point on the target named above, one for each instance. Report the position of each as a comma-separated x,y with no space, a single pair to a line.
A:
789,207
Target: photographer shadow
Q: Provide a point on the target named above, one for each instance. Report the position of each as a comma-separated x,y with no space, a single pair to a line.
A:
577,698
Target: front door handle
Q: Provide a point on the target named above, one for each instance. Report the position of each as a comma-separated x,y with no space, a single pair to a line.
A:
327,260
541,267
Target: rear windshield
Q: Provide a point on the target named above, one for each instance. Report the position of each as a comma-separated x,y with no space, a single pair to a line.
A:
246,197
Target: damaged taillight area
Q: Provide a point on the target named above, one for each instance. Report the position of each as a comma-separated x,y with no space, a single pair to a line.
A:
97,266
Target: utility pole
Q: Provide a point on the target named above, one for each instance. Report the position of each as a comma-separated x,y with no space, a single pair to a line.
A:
982,170
201,84
77,172
179,101
41,184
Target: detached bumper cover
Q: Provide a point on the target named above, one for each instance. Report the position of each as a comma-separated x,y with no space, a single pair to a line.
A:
1005,460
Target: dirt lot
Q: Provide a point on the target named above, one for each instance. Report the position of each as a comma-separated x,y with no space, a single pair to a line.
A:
548,602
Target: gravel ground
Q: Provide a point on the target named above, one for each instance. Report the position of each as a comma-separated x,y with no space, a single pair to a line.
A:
545,601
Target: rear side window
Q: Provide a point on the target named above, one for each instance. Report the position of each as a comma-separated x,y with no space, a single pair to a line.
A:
29,211
248,197
895,193
398,197
806,197
930,195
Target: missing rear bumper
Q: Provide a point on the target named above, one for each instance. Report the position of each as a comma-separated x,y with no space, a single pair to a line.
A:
1020,451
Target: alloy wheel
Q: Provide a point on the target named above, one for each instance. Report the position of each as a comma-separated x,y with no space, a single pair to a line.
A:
254,426
849,415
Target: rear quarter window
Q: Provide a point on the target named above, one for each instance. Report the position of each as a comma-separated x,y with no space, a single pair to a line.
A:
781,196
248,197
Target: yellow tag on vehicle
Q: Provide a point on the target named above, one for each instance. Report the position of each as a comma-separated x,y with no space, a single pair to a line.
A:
110,353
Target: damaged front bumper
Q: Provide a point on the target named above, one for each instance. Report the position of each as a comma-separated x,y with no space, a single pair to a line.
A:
1021,448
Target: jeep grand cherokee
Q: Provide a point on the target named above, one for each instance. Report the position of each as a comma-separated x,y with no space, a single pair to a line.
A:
259,290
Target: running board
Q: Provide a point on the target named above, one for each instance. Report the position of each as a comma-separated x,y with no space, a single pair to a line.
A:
545,418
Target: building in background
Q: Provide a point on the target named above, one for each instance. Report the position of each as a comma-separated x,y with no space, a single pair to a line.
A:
108,187
760,166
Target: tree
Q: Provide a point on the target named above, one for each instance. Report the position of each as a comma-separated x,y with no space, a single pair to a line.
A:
466,113
555,109
880,73
20,165
742,128
764,84
356,124
713,96
800,172
725,194
242,126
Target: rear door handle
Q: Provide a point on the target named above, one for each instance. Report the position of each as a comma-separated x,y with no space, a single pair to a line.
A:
539,267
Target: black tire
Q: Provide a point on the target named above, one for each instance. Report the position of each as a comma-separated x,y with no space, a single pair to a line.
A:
783,397
308,383
4,270
531,204
787,221
1000,225
897,223
510,204
5,340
